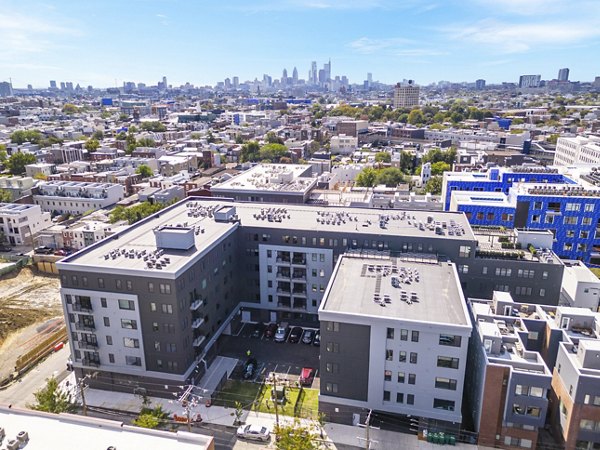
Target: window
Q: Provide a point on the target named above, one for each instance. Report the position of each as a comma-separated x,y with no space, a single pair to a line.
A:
412,378
403,335
127,304
588,207
439,403
106,321
111,358
584,234
331,387
401,377
332,367
445,383
332,347
402,356
414,336
464,251
387,375
410,399
155,326
153,306
390,333
570,220
463,269
100,282
103,302
484,270
171,348
167,309
164,288
389,355
128,285
450,340
157,346
129,324
448,362
537,205
503,272
118,284
131,343
399,397
413,358
150,287
386,396
332,326
133,360
109,340
533,411
572,207
586,221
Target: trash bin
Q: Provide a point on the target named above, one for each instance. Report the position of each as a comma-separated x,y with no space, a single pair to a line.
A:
452,440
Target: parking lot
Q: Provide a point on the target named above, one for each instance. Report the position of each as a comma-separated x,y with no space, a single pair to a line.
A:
285,359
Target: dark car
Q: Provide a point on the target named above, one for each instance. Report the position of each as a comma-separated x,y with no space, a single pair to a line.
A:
317,339
271,330
44,250
308,336
295,335
4,248
250,368
258,330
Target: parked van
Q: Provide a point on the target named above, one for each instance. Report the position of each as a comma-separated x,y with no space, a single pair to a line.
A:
282,332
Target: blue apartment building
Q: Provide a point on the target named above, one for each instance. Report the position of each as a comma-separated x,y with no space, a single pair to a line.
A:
535,198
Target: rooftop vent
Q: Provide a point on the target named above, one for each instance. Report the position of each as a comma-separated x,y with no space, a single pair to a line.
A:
174,237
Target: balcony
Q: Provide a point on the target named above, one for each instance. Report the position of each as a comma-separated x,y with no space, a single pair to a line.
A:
82,307
196,305
299,275
283,274
87,345
299,261
85,326
198,341
197,323
91,362
299,293
300,304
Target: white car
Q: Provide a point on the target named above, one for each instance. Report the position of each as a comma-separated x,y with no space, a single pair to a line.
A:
256,432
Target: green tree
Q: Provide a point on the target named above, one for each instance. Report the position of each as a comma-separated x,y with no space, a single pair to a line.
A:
273,152
383,157
390,176
121,136
250,152
70,108
440,167
553,138
146,142
151,417
406,162
5,196
435,155
98,135
434,185
153,126
366,178
295,437
144,170
91,145
50,399
17,162
134,213
3,154
416,117
272,138
130,143
21,136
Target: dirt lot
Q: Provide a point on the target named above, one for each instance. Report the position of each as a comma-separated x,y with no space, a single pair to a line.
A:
29,307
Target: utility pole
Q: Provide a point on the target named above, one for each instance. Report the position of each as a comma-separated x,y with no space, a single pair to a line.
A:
367,438
82,387
274,377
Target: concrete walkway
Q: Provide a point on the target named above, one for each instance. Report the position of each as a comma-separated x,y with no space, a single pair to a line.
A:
221,366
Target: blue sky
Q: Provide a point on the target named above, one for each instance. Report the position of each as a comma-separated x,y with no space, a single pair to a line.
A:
202,41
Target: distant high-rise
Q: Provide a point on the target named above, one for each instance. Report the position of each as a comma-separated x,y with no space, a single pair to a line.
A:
370,78
63,86
284,77
563,74
327,69
52,84
295,76
69,85
5,89
406,95
236,82
164,80
314,73
529,81
480,84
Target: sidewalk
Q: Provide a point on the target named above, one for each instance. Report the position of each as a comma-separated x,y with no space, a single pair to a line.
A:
336,433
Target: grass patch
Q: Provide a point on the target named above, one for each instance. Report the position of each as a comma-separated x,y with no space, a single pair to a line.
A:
257,397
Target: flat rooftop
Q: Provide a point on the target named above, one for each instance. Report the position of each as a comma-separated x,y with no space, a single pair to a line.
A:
425,292
66,431
130,246
282,178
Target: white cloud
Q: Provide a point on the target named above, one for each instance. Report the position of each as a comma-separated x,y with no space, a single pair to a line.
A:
334,5
522,37
369,46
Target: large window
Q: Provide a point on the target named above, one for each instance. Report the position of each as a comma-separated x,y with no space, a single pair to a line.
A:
133,360
127,304
131,343
450,340
447,361
445,383
129,324
439,403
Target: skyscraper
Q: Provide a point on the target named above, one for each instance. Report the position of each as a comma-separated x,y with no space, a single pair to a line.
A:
479,84
327,69
313,73
52,84
529,81
563,74
284,77
236,82
5,89
295,76
406,95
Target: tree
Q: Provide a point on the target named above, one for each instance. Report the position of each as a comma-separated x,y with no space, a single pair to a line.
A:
146,142
130,143
295,437
366,178
91,145
17,162
70,108
383,157
121,136
98,135
144,170
150,417
134,213
416,117
155,126
272,138
406,162
21,136
273,152
390,176
552,139
3,154
5,196
434,185
250,151
50,399
440,167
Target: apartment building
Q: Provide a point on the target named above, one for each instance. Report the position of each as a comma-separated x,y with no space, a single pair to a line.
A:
17,186
535,199
406,95
146,305
394,339
577,150
71,197
343,145
20,223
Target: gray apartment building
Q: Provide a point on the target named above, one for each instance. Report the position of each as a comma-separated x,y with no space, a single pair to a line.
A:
394,339
145,305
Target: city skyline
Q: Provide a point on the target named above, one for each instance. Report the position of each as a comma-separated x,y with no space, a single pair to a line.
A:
109,43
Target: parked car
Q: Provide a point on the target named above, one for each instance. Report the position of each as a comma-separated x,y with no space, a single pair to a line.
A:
317,339
258,330
308,336
250,368
307,376
282,332
254,432
60,253
43,250
295,335
4,248
271,330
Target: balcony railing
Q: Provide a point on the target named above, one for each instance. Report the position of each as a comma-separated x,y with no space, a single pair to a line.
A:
196,305
79,307
86,345
299,293
299,261
198,341
92,362
197,323
81,326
